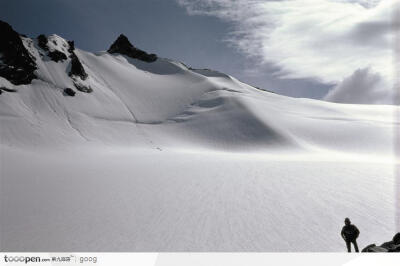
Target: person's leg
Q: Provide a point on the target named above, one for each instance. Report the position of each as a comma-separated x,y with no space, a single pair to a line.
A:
355,245
348,246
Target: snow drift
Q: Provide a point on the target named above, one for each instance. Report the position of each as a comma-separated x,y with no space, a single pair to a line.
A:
150,155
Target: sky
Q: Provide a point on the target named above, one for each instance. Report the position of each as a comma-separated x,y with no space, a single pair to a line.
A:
336,50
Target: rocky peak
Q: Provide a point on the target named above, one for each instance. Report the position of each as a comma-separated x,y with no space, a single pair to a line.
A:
54,46
123,46
16,64
59,49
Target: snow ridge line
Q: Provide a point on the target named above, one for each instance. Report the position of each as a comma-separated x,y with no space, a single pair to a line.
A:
134,117
75,128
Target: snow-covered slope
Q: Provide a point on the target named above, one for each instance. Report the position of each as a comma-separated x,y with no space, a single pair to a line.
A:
165,100
162,157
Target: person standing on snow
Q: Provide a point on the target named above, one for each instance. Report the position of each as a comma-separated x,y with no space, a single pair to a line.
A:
350,234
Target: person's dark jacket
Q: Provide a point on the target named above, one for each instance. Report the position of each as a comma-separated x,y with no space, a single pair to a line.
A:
350,232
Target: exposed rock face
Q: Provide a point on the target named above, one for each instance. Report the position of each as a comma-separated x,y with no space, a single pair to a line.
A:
7,89
57,49
42,42
77,67
71,46
123,46
55,55
69,92
390,246
16,64
82,87
77,72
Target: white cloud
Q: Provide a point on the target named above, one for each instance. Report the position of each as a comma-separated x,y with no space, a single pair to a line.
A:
326,40
364,87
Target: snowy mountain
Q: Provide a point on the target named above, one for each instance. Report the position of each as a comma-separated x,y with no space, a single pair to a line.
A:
128,151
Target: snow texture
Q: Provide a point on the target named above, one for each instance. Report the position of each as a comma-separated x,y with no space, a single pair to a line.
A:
160,157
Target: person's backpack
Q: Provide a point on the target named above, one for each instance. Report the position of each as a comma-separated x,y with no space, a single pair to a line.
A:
350,232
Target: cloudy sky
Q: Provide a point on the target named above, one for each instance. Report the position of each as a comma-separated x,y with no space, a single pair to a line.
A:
337,50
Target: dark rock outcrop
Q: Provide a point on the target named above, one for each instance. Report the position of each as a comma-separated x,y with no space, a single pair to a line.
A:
71,47
374,248
55,55
16,64
69,92
7,89
77,67
42,42
123,46
83,88
396,239
77,70
390,246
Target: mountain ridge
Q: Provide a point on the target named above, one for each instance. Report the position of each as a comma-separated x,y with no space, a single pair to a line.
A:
118,86
161,157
